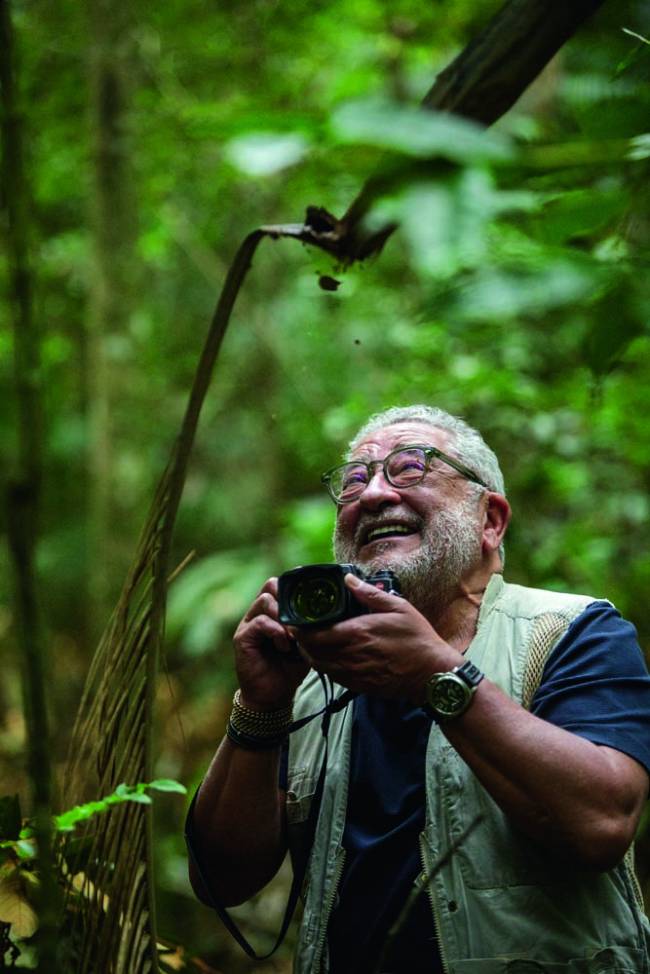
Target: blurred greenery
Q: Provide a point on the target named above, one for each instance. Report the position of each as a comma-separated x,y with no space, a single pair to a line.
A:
515,293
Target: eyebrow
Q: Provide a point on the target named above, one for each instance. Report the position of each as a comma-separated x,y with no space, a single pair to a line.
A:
364,458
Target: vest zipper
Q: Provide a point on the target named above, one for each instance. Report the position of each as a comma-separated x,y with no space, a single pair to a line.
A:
328,903
437,925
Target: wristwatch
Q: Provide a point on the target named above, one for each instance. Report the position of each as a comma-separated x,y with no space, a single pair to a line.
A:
449,694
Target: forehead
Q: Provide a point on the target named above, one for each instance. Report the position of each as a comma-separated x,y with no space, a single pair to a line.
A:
377,444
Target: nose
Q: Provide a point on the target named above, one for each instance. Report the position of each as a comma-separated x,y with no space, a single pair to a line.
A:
379,492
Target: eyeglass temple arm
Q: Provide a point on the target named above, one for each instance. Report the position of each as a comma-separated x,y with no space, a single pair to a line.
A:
457,465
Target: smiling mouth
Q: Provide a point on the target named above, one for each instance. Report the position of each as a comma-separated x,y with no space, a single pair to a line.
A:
385,532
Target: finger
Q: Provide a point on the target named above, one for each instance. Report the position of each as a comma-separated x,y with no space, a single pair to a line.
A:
308,639
264,604
287,646
258,630
271,586
372,597
298,653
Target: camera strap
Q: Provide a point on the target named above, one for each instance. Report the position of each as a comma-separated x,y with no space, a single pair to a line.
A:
333,705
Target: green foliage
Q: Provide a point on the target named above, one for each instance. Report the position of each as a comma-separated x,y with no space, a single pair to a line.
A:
417,132
67,821
19,858
17,838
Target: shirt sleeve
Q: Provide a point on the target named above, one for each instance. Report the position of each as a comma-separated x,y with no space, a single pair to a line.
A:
596,683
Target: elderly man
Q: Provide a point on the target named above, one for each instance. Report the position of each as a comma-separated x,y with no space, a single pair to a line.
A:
474,698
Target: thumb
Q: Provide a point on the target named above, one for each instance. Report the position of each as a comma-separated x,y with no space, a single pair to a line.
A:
369,595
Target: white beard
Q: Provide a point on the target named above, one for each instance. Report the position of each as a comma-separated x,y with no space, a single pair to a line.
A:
429,576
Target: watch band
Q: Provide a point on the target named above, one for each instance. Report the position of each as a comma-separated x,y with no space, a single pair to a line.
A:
469,673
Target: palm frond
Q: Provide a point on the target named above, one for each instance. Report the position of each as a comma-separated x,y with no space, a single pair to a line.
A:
111,904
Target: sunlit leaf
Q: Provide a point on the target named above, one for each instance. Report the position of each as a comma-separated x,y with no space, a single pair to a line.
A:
639,147
66,821
25,849
168,784
418,132
140,799
265,153
505,294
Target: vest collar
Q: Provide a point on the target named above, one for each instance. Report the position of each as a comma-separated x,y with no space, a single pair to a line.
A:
490,596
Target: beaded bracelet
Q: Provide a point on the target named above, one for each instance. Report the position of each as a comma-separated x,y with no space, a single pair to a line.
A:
251,743
257,730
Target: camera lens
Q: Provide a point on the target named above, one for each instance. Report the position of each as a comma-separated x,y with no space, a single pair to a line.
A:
314,599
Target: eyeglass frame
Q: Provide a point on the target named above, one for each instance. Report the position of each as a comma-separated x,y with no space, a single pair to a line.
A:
429,453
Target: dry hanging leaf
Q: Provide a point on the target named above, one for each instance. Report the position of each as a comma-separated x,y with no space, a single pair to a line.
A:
15,908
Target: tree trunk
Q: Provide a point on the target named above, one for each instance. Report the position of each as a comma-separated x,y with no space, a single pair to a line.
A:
23,491
111,291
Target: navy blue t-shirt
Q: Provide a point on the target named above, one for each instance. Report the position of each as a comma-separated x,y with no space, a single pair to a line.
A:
595,684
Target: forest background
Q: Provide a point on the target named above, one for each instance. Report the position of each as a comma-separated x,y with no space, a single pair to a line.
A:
515,293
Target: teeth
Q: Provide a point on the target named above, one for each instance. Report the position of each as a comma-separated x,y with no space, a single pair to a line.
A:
388,529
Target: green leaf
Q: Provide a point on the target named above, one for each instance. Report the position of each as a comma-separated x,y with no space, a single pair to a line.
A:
25,849
168,784
499,295
639,147
66,821
578,213
616,323
265,153
139,799
417,132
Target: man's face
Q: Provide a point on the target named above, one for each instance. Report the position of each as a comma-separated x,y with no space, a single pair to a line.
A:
429,535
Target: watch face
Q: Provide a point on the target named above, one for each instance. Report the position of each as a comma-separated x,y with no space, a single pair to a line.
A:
449,695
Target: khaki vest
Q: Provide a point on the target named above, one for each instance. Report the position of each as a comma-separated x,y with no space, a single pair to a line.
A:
502,904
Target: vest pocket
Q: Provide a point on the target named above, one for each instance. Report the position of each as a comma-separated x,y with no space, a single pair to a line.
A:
495,854
301,786
606,960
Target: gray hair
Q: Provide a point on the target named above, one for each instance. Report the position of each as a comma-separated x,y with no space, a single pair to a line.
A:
466,444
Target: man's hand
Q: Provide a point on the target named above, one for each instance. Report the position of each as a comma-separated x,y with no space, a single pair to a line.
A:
268,667
391,652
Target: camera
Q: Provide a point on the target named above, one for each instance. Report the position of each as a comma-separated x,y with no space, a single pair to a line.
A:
316,595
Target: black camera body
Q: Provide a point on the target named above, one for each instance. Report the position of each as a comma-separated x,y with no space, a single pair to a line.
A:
315,596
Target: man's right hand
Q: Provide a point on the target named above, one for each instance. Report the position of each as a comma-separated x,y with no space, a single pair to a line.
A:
269,668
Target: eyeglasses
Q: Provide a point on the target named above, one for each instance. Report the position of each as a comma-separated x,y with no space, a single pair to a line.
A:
404,467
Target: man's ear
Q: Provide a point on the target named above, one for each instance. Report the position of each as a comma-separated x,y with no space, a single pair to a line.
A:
496,518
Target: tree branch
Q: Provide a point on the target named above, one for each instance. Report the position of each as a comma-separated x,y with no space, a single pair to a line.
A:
481,84
495,68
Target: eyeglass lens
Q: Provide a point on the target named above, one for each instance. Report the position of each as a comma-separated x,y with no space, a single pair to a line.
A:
404,468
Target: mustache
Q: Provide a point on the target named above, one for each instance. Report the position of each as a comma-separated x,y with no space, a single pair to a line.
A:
367,522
